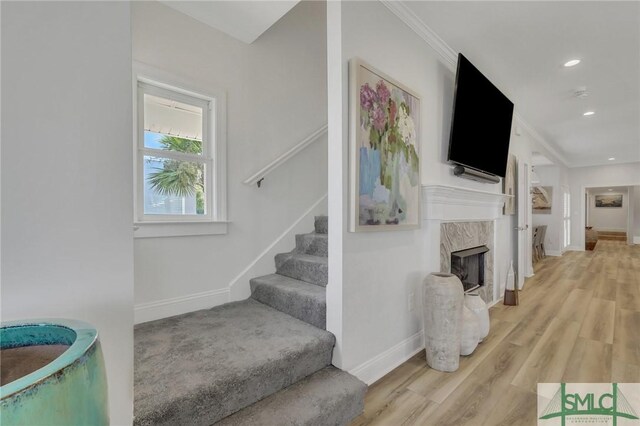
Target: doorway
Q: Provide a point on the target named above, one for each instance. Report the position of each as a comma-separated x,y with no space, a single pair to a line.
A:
611,213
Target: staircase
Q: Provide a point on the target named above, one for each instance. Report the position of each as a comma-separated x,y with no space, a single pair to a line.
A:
612,236
265,360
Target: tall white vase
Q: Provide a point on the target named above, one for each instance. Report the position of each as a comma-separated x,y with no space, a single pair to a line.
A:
474,302
443,301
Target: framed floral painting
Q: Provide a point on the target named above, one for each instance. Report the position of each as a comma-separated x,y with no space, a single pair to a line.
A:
384,152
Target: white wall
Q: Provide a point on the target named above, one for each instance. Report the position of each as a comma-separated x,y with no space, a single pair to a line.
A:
631,205
276,96
635,227
67,248
556,177
608,219
372,279
581,178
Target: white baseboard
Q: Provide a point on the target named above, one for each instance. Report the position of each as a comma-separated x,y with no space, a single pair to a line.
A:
380,365
574,248
492,304
554,253
238,288
636,239
263,263
150,311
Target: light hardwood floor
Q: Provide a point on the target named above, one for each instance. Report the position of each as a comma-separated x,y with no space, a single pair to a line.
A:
578,321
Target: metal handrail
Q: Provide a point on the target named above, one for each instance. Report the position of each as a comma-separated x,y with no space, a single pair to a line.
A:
258,177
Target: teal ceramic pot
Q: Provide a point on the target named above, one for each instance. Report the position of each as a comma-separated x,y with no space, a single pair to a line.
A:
67,388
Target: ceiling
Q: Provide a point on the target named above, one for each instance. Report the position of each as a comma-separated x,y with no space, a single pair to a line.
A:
538,159
522,46
244,20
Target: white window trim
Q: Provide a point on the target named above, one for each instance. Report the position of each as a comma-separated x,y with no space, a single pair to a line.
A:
167,226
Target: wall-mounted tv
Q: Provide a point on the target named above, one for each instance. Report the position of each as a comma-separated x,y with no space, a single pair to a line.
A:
481,122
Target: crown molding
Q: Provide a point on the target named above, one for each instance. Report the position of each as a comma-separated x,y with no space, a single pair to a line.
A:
450,57
541,140
412,20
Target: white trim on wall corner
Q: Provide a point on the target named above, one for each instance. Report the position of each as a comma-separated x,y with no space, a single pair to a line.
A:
406,15
574,248
158,309
150,311
380,365
266,251
494,303
636,239
538,137
450,58
554,253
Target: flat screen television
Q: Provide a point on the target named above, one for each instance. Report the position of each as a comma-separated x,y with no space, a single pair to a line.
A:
481,122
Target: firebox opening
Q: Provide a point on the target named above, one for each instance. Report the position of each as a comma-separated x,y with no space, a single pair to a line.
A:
468,265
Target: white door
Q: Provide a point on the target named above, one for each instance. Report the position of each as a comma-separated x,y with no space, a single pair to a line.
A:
524,267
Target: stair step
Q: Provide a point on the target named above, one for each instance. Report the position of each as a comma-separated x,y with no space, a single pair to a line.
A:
315,244
200,367
304,267
321,224
301,300
328,397
612,236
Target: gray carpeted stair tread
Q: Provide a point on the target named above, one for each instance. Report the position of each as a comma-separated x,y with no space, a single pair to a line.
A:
200,367
321,224
314,243
301,300
328,397
304,267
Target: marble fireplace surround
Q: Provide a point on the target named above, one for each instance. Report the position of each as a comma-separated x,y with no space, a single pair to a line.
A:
457,218
456,236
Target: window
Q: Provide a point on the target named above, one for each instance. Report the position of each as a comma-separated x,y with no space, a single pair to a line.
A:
179,170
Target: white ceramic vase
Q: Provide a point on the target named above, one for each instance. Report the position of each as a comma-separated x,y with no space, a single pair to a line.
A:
474,302
470,332
443,301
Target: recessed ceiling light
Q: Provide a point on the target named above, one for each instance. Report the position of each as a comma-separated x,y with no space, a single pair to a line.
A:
612,158
572,63
588,113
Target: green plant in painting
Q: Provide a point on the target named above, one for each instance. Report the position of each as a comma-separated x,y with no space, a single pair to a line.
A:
180,178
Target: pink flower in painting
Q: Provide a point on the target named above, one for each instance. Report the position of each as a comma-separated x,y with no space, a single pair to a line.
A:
379,118
367,97
393,110
382,92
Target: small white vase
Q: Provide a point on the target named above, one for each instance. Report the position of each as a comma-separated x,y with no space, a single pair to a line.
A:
470,332
474,302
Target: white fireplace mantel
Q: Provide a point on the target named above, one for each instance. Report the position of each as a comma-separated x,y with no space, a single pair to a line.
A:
443,203
454,203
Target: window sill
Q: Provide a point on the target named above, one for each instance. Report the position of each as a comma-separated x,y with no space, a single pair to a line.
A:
177,229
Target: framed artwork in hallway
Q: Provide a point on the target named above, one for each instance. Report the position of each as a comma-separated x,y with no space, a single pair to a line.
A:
613,200
542,199
384,172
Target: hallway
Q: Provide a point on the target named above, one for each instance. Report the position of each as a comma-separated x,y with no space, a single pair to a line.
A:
578,321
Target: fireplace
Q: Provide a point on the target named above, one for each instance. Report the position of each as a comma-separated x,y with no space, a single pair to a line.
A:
467,250
457,218
468,265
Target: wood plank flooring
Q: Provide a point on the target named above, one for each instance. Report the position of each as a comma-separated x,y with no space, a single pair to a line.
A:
578,321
